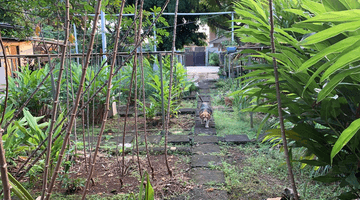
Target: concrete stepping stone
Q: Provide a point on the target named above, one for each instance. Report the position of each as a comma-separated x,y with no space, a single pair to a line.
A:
189,98
160,150
128,139
178,139
206,176
205,98
187,111
204,91
204,160
225,109
203,130
199,125
205,149
152,139
205,139
237,139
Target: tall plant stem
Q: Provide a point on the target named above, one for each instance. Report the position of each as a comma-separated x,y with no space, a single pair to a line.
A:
106,103
144,110
76,103
3,164
83,105
137,36
281,118
133,75
170,87
55,104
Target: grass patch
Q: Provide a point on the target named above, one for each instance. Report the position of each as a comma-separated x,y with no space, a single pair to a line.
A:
230,123
188,104
258,172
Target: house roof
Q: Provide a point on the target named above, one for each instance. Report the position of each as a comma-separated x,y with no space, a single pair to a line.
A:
7,25
219,40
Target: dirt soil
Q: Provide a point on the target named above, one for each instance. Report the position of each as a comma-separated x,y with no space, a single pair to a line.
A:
181,122
107,176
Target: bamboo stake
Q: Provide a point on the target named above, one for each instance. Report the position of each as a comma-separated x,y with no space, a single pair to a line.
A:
128,101
76,104
82,99
281,118
170,87
85,104
138,35
107,100
3,164
143,96
73,95
55,104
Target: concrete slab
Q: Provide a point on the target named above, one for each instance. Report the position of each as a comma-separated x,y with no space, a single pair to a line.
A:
204,91
205,149
205,139
199,125
199,105
204,160
206,176
152,139
189,98
237,139
187,111
203,130
178,139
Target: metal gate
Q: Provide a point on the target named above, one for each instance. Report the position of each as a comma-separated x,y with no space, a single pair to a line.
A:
195,58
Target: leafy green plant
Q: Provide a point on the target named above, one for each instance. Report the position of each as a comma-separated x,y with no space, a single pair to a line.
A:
319,75
149,191
21,87
180,86
71,184
18,189
214,59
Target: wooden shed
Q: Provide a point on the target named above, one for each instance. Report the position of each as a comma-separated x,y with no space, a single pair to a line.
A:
14,47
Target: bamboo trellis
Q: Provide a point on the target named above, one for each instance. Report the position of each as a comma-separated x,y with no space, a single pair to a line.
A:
75,109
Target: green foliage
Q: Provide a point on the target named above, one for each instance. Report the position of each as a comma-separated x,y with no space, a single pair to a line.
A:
153,87
214,59
21,87
319,79
71,184
149,191
18,189
186,33
26,134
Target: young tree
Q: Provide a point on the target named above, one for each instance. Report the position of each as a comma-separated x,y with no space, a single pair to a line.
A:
187,27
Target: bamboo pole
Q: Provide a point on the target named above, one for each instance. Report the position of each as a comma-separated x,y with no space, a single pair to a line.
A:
83,106
143,99
3,164
162,95
76,104
55,104
137,36
133,75
281,118
170,87
106,103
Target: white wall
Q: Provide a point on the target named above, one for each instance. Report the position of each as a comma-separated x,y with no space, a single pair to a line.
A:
2,75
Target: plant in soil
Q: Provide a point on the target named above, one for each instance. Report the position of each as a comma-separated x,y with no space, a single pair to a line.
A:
319,77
